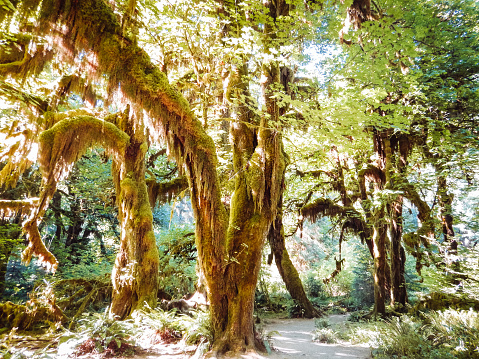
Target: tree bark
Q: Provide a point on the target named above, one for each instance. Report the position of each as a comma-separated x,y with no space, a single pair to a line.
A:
395,147
392,150
135,274
286,269
397,254
445,210
258,165
379,249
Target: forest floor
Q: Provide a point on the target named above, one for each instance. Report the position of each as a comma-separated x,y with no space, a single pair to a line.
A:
288,338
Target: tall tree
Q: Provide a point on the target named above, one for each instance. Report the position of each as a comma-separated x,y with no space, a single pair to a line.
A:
229,247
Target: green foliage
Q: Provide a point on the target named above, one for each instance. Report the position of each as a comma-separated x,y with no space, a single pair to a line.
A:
321,323
325,335
195,328
9,240
177,260
20,279
448,334
165,324
100,329
313,286
363,286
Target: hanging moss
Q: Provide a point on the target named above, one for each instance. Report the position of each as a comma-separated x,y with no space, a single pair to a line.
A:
14,207
321,207
162,192
37,247
21,57
68,140
74,84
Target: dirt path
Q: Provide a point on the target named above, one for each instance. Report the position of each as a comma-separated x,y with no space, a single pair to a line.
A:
292,338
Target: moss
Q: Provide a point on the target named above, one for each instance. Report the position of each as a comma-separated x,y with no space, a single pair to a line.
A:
87,131
143,216
10,208
144,148
128,185
47,138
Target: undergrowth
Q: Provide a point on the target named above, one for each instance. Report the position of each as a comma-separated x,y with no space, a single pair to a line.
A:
99,334
433,335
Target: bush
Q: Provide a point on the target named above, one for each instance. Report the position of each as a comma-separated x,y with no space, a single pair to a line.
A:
325,335
313,286
321,323
177,253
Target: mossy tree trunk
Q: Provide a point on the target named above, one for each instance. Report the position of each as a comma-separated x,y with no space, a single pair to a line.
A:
271,74
229,249
445,211
258,165
392,150
380,260
397,149
397,255
135,274
286,269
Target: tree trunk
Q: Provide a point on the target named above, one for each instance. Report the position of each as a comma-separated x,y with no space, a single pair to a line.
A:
445,210
397,254
258,165
395,146
379,245
286,269
135,274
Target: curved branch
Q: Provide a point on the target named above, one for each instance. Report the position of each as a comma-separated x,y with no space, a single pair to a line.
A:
60,147
353,221
136,80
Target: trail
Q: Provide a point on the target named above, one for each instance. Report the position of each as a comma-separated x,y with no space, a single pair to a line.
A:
292,338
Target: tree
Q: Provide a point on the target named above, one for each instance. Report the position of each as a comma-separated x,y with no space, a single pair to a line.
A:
229,250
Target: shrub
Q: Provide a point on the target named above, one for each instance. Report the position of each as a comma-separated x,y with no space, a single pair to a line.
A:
313,286
325,335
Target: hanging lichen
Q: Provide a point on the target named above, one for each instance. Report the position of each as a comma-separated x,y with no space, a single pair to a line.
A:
23,56
70,138
321,207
